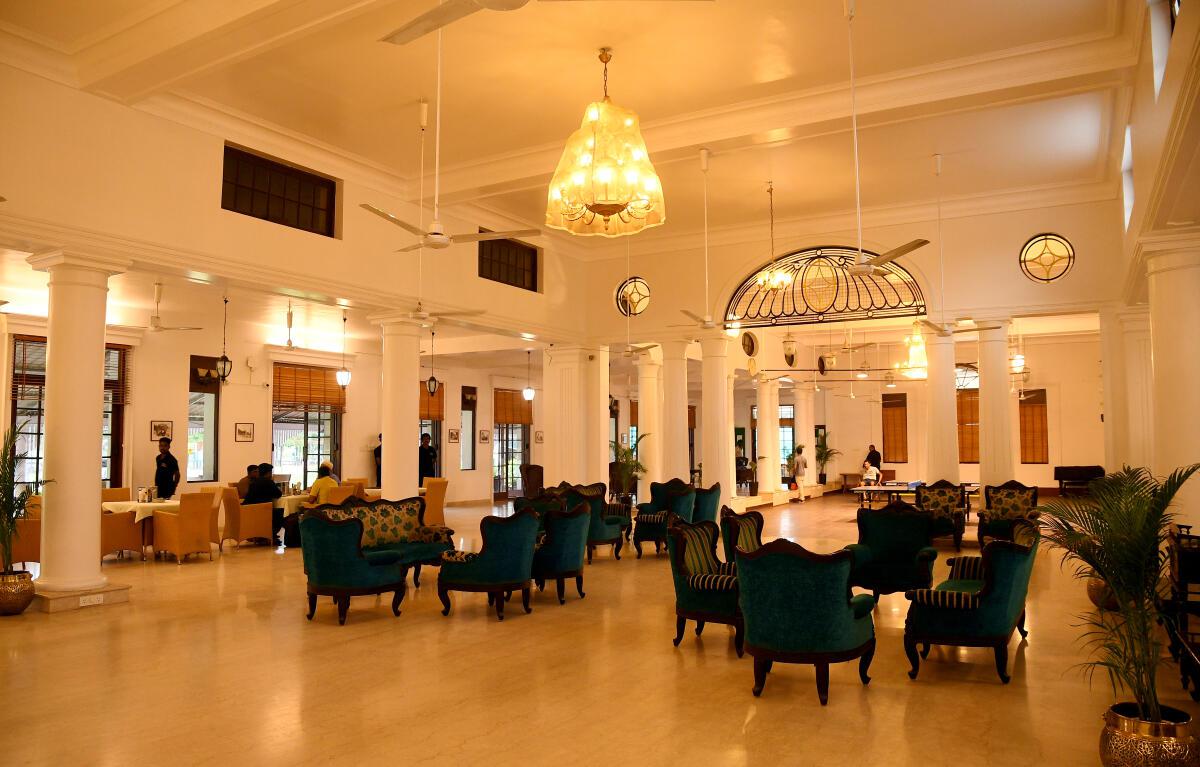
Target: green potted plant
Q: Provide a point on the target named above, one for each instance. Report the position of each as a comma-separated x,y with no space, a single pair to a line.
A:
1119,535
628,468
824,454
16,586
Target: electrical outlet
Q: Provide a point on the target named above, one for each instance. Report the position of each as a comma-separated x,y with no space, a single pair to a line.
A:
91,599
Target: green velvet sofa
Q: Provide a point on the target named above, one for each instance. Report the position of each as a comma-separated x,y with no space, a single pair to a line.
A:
1003,506
503,564
604,529
337,566
707,502
740,531
398,527
979,605
798,608
560,554
946,502
666,498
706,590
893,552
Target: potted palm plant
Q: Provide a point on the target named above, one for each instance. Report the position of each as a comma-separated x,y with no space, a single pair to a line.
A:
824,454
16,587
1119,535
628,468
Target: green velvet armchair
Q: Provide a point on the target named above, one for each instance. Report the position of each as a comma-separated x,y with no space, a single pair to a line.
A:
504,563
673,497
740,531
706,590
979,605
893,552
337,567
560,555
604,530
946,503
540,505
798,608
706,504
1003,506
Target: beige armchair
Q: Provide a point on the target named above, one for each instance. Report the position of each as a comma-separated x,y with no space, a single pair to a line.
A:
188,531
341,494
245,523
435,500
120,533
115,494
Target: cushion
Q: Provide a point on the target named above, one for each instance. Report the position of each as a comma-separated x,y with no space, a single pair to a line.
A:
944,598
939,501
1010,503
698,555
655,518
966,568
459,556
747,535
386,557
712,582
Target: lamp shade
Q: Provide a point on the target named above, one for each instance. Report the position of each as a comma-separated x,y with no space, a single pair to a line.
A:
527,393
224,367
343,377
431,385
605,183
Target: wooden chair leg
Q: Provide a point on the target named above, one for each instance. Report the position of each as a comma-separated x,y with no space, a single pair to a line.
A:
417,575
590,548
761,669
499,606
1002,662
637,546
444,595
823,682
617,548
924,651
312,605
562,590
864,663
579,586
397,598
910,649
699,627
526,593
343,604
739,637
1021,625
680,624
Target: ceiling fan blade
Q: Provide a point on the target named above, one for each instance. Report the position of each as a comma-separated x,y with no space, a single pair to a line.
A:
941,331
410,248
895,253
389,217
693,315
433,19
163,328
458,238
463,313
642,348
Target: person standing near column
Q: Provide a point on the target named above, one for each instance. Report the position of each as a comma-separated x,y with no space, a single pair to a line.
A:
873,456
426,460
166,470
379,462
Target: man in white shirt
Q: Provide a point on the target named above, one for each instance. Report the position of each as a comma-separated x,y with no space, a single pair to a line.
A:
870,474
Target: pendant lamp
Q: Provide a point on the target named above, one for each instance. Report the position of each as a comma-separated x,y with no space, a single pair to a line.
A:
527,392
224,364
343,374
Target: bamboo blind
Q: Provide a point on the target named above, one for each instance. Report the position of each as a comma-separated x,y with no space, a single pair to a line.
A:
968,426
510,407
633,413
306,387
895,428
691,416
1035,440
432,407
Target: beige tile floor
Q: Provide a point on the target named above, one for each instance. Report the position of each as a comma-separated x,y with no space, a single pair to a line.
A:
214,663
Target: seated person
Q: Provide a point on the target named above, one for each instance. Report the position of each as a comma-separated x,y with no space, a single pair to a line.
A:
264,490
243,484
870,474
319,492
329,465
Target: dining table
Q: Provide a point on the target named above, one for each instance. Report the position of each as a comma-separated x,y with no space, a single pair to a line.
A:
290,504
142,510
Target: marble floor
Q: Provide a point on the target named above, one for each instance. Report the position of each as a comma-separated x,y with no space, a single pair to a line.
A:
214,663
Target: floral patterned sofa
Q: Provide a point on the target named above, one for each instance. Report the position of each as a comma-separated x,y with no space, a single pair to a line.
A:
398,527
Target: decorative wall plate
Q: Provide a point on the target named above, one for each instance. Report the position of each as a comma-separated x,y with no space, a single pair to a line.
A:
632,297
749,344
1047,257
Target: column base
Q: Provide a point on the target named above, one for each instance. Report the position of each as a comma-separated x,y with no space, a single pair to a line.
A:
61,601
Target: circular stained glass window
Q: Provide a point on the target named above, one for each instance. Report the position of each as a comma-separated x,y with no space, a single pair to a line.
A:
1047,257
632,297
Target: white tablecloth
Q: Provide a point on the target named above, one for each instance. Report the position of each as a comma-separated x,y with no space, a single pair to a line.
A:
142,510
290,503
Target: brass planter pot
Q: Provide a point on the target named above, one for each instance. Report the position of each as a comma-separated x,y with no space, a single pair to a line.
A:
16,592
1127,741
1101,595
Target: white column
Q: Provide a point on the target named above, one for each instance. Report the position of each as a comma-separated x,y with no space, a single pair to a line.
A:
767,459
564,389
806,420
1137,365
717,402
594,416
1112,382
941,428
398,412
675,410
74,403
650,422
1174,286
996,464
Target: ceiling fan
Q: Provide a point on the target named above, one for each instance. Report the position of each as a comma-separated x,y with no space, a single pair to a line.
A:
156,325
451,11
862,264
435,237
706,322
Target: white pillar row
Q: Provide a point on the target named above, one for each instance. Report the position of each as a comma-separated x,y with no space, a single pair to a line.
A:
716,450
650,420
941,428
595,415
805,426
675,410
767,460
996,464
1138,370
74,403
563,387
730,404
1174,286
399,407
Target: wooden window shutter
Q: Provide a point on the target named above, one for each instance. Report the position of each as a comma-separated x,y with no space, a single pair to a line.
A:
510,407
633,413
968,426
301,387
432,407
895,428
691,416
1035,439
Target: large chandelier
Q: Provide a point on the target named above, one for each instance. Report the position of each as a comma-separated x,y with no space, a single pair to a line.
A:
605,184
917,364
772,278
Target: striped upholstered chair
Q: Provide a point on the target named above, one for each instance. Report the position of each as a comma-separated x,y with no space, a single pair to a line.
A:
705,589
740,531
946,503
1003,506
666,498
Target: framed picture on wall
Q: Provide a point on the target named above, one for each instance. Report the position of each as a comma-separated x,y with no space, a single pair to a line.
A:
485,436
161,429
243,432
539,437
452,435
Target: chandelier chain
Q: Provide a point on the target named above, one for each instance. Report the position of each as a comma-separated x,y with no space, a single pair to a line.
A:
854,132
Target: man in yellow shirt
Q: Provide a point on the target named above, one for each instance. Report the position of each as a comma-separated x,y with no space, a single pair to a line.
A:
319,492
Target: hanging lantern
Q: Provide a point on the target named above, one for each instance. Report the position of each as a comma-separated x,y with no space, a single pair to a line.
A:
431,385
224,364
343,374
527,392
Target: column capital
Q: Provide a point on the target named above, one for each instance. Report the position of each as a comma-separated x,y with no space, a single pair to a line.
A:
49,260
995,334
649,359
716,345
1160,262
675,349
394,324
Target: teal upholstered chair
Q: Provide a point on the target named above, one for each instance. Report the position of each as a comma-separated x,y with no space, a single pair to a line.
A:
946,503
540,505
893,552
1003,506
561,554
798,609
706,590
337,567
979,605
673,497
740,531
604,530
503,564
706,503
